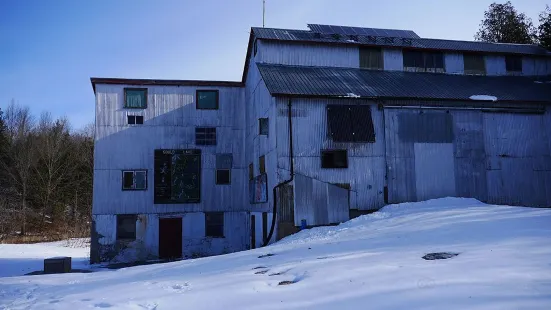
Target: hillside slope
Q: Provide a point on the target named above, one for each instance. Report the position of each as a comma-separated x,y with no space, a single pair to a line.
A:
370,262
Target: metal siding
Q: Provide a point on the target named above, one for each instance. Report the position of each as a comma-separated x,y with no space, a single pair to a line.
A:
308,55
366,160
516,144
434,170
495,65
393,59
453,62
338,210
528,66
169,122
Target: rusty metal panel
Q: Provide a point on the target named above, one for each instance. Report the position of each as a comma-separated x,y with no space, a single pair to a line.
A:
308,55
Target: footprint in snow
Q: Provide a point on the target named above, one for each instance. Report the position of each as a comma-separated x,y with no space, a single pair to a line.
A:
262,271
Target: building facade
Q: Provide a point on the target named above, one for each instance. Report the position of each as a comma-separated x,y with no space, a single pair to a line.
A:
326,124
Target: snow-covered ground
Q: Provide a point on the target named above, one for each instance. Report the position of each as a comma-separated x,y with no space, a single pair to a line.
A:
20,259
373,262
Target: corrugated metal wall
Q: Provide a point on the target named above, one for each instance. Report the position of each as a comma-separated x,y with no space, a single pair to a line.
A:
308,55
169,122
495,65
393,59
365,171
501,158
453,62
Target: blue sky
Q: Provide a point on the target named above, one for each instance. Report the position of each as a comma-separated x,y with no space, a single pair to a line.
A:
50,49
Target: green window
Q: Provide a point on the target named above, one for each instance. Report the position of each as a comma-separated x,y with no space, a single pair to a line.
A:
207,99
135,98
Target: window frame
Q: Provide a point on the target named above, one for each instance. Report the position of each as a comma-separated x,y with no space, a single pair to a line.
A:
217,182
370,50
424,58
355,118
135,119
260,120
474,71
516,57
207,225
206,135
121,217
135,89
333,151
262,164
197,91
134,179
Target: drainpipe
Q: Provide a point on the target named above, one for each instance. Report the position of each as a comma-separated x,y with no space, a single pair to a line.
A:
274,211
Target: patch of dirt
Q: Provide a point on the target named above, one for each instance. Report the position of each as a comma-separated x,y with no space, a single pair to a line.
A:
266,255
439,255
261,271
286,282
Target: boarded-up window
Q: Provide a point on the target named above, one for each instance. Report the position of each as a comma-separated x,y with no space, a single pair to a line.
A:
423,61
474,64
135,98
334,159
350,123
223,168
251,171
214,224
513,63
371,58
134,180
263,126
206,99
135,119
126,227
262,164
205,136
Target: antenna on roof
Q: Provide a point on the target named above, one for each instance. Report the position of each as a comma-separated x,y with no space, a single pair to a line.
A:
263,12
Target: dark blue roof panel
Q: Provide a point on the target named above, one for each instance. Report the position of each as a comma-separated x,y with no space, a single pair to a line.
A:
346,30
349,82
401,42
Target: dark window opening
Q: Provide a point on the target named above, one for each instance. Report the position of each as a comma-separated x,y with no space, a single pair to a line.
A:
474,64
205,136
350,123
135,119
214,224
263,126
251,171
423,61
134,180
513,63
126,227
334,159
207,99
135,98
223,176
262,164
371,58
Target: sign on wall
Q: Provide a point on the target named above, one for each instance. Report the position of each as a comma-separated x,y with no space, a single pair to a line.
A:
258,189
177,176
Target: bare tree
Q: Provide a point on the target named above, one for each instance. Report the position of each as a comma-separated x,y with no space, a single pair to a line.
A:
18,161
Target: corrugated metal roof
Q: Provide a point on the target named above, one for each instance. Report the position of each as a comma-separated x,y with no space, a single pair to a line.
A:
350,82
421,43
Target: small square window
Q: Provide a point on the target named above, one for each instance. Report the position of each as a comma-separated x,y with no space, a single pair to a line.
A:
223,176
135,98
214,224
205,136
126,227
135,119
263,126
207,99
134,180
513,63
262,164
334,159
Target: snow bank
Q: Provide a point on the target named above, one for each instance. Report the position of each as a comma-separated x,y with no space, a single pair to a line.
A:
20,259
483,97
376,260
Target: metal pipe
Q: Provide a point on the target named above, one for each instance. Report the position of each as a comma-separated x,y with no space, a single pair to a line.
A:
274,193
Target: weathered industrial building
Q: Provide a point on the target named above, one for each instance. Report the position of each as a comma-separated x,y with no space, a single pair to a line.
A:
326,124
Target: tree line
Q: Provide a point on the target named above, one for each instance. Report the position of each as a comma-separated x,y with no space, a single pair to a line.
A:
46,173
502,23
